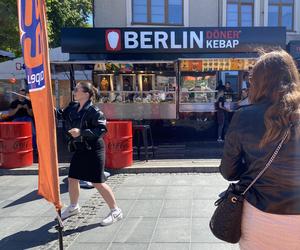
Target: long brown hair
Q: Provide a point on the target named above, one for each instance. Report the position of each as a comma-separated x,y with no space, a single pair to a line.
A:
275,78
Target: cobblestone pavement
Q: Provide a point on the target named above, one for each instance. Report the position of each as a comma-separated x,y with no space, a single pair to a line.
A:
161,211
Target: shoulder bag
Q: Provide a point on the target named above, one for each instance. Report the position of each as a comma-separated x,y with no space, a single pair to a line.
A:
226,221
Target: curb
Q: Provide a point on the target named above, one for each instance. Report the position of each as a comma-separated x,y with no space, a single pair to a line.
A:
160,170
31,170
155,166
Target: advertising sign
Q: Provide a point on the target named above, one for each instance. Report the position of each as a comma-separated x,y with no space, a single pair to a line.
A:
171,40
34,41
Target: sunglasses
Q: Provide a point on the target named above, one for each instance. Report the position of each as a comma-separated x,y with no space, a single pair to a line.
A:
76,89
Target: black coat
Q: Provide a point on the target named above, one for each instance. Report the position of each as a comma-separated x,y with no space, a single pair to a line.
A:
278,190
88,161
90,120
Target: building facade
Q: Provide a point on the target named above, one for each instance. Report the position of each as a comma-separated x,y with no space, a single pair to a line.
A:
184,48
200,13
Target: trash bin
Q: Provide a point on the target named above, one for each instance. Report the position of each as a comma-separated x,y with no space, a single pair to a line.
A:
15,144
118,144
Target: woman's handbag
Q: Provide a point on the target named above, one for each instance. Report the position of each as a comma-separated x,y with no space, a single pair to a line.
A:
226,221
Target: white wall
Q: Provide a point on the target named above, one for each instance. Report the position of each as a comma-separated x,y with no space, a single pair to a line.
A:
110,13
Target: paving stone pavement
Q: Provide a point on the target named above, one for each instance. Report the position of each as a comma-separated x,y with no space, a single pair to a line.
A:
161,212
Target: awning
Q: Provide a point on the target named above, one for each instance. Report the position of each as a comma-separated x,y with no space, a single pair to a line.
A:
4,53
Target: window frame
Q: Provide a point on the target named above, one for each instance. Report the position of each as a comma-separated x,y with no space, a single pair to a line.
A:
166,13
279,20
240,3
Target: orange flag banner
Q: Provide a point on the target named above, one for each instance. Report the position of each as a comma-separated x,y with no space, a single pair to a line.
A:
34,41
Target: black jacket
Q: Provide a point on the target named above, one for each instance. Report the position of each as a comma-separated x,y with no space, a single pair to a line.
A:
278,190
90,120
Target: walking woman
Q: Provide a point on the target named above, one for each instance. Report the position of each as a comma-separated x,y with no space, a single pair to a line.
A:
86,126
271,213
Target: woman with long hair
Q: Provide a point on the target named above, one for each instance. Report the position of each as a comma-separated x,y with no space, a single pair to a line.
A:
86,126
271,213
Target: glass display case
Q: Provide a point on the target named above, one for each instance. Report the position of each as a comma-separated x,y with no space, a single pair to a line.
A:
137,95
197,92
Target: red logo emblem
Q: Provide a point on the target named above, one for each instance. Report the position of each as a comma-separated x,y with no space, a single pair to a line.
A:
113,40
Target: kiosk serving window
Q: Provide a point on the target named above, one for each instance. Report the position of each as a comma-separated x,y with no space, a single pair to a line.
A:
138,91
198,88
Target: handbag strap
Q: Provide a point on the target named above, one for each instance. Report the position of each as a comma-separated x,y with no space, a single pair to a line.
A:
269,162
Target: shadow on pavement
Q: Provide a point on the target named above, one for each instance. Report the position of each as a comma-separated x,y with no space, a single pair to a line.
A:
81,229
29,239
32,196
38,237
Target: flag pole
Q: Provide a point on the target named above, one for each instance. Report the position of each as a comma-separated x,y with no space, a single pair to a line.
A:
60,228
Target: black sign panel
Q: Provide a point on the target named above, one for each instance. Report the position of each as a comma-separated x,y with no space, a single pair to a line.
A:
170,40
294,49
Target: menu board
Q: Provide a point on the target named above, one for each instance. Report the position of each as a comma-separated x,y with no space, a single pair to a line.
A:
236,64
249,63
217,64
191,65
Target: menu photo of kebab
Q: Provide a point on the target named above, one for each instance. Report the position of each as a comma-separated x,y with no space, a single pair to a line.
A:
216,64
249,63
237,64
205,65
196,65
184,65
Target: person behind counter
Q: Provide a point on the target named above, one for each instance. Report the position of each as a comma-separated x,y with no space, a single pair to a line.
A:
20,110
244,98
128,87
222,115
272,205
86,126
220,86
228,91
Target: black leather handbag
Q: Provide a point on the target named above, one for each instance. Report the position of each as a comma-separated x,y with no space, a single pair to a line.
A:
226,221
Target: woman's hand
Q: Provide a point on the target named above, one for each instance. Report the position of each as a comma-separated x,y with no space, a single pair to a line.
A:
75,132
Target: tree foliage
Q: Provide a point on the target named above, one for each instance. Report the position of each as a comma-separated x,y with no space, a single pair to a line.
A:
9,30
60,13
67,13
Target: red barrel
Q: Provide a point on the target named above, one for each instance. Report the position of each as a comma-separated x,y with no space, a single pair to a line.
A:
15,144
118,143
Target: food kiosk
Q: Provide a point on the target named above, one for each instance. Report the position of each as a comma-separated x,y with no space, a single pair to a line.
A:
166,73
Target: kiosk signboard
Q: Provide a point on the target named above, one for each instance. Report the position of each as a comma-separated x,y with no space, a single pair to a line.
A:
171,40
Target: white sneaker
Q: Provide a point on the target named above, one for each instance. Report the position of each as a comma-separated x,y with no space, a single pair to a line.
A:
112,217
220,140
107,174
85,184
70,211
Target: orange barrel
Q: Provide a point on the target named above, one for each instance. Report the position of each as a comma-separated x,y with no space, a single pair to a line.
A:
15,144
118,144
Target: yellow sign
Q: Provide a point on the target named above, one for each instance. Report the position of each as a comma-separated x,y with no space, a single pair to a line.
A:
217,64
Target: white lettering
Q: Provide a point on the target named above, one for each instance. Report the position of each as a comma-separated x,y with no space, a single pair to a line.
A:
222,44
197,39
145,39
229,44
35,78
216,44
184,40
235,43
173,42
165,40
160,37
130,40
209,43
